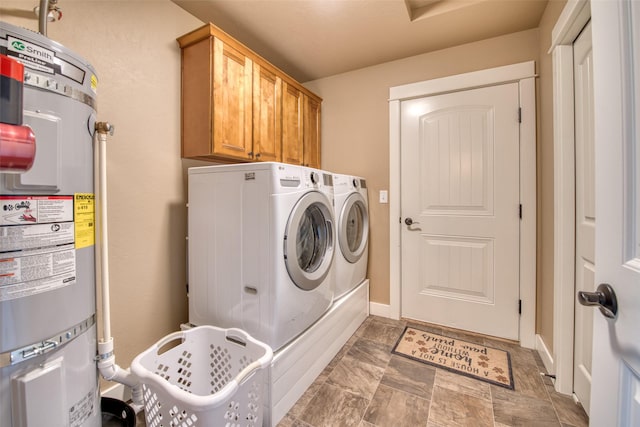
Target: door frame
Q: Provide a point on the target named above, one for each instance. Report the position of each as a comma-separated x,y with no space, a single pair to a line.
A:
572,20
524,74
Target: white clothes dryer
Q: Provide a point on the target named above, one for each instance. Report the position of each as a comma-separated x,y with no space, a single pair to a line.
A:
261,246
352,218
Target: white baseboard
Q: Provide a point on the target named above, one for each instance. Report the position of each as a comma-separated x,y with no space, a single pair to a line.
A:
377,309
545,355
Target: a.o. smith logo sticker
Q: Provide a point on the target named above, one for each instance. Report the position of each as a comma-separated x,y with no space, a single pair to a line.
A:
31,54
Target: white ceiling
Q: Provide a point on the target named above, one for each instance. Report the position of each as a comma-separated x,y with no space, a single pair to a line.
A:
311,39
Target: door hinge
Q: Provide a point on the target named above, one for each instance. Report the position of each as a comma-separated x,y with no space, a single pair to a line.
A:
519,114
520,211
519,306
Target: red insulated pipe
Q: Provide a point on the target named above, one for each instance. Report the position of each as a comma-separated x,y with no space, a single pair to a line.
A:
17,148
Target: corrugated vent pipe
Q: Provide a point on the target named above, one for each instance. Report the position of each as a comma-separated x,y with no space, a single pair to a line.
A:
47,11
42,17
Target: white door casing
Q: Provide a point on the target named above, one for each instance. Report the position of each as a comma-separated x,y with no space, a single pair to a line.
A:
585,262
615,392
573,19
524,74
460,183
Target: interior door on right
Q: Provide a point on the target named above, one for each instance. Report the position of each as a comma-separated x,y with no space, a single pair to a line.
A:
615,391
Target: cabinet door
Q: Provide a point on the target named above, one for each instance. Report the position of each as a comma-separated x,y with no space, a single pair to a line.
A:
196,99
267,111
292,137
232,93
311,132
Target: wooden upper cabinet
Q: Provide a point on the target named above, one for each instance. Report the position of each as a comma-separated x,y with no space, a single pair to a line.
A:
267,114
311,145
232,102
292,125
197,100
236,106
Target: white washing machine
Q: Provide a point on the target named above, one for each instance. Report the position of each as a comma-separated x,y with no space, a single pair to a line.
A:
261,248
352,218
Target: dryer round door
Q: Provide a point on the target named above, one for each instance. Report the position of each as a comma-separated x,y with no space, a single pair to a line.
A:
308,241
353,227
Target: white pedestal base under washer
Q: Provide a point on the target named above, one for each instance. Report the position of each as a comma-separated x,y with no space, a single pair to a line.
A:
261,246
352,218
297,365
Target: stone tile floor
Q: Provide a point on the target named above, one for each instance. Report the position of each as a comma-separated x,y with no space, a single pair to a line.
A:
367,386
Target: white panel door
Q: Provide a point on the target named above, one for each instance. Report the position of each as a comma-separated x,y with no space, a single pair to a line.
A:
585,212
460,187
615,391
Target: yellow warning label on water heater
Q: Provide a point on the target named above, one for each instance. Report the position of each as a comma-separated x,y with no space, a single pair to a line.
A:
84,219
94,83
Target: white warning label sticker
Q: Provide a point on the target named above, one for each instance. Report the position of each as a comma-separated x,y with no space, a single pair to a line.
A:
22,210
34,272
37,247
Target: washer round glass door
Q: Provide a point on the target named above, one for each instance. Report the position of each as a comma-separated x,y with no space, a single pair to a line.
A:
354,227
308,241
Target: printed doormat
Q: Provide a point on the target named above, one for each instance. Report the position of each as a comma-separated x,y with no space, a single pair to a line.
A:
462,357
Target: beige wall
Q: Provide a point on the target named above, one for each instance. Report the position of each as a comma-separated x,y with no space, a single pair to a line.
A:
355,122
544,313
132,46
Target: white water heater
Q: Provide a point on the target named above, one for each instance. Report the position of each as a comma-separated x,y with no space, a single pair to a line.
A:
48,374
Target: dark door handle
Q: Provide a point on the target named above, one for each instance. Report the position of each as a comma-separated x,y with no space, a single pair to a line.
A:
410,221
604,297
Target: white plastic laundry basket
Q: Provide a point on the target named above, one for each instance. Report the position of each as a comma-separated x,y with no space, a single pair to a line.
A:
212,377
